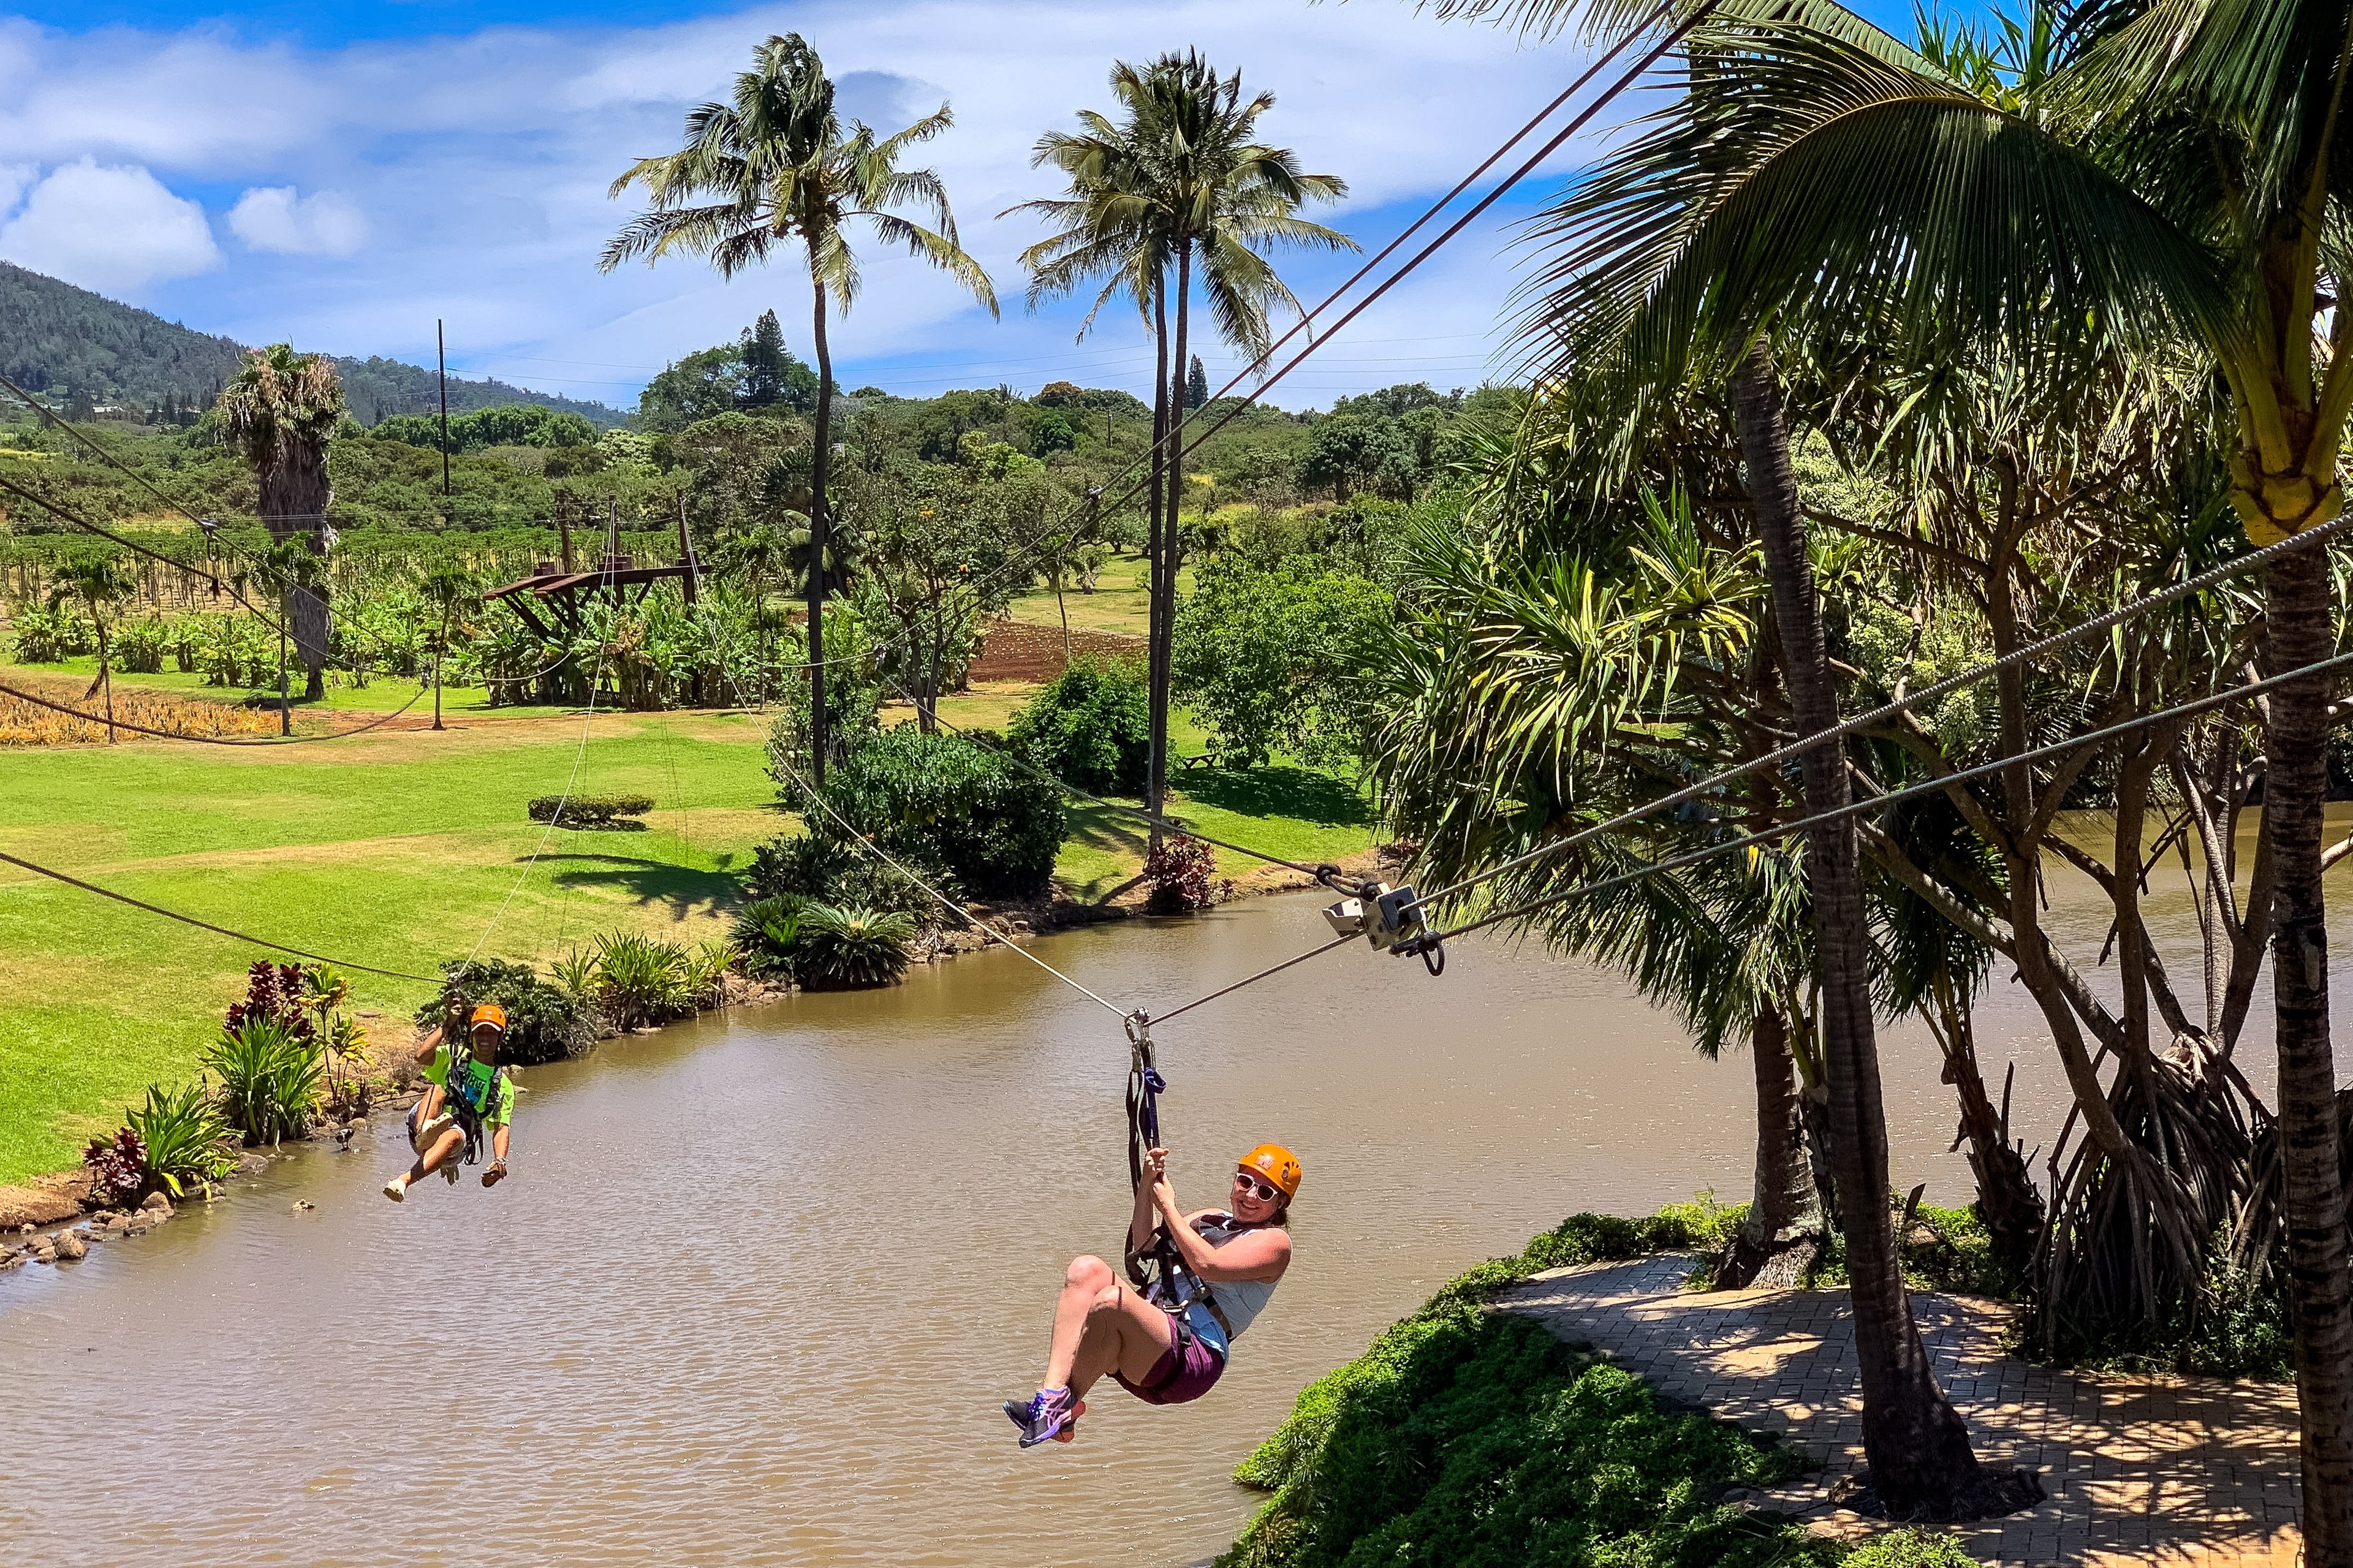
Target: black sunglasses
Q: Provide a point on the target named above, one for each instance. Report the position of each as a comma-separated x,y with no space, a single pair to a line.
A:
1256,1188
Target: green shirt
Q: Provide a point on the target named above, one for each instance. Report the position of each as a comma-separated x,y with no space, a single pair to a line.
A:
475,1085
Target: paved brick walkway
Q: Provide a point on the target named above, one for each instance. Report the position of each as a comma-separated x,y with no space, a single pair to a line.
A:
2168,1470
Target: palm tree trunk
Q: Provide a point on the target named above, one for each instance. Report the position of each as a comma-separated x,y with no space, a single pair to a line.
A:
1917,1449
818,532
1155,776
1778,1200
1171,540
2294,791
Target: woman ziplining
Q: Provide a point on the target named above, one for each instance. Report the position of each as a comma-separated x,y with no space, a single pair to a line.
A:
1166,1342
467,1090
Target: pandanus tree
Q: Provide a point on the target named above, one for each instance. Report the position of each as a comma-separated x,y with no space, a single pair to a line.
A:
2167,173
280,410
775,163
1177,182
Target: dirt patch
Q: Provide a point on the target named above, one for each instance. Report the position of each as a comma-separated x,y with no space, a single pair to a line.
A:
44,1200
1017,650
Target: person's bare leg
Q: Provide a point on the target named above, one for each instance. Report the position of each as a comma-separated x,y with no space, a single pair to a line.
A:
1102,1326
447,1147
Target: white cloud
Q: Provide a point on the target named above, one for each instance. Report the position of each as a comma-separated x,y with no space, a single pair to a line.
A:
481,161
273,217
109,228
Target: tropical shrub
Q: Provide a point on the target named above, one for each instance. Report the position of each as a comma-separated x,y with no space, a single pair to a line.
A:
269,1078
1177,874
182,1132
1090,727
276,992
640,980
46,636
544,1022
707,968
138,646
767,931
118,1168
818,868
844,949
589,810
1271,659
945,799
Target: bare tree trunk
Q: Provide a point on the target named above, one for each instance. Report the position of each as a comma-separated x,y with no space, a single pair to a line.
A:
1781,1197
818,461
1171,539
2320,1307
1917,1449
1155,776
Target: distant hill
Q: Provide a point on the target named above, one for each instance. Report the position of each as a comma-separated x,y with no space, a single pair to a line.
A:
56,338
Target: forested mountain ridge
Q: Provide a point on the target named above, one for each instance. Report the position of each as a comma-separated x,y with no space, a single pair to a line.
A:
76,345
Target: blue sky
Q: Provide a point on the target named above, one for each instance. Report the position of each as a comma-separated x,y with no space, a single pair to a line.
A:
341,175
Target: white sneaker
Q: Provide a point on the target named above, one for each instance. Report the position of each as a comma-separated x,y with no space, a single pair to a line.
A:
396,1190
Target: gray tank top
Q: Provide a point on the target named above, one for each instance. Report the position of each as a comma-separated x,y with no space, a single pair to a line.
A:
1242,1300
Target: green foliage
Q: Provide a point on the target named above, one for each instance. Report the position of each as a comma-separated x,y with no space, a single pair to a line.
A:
1909,1549
589,810
1469,1438
1271,657
820,868
842,949
183,1133
545,1023
946,800
45,636
1090,727
509,424
269,1078
642,980
768,931
118,1168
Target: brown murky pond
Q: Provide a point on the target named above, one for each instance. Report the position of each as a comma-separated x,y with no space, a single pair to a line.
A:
760,1281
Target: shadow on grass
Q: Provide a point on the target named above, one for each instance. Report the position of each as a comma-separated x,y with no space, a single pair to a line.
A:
1279,790
683,889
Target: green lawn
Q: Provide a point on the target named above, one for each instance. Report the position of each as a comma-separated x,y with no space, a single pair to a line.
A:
402,849
396,850
382,694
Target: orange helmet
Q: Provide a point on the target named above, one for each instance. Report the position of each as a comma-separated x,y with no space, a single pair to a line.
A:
1277,1164
489,1013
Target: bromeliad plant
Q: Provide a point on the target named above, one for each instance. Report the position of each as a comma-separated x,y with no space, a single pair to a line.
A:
642,980
182,1134
271,1078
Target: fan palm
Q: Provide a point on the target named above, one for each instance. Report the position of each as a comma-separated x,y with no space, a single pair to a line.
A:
775,163
280,410
2120,171
1178,180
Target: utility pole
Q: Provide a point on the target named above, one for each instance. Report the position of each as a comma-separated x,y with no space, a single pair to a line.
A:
441,354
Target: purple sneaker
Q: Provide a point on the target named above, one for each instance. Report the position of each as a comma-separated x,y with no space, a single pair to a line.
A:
1044,1417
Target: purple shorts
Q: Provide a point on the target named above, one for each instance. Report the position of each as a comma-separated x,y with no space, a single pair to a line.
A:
1186,1370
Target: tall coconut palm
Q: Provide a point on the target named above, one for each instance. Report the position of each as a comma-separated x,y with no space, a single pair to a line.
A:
775,163
1176,182
2169,170
280,411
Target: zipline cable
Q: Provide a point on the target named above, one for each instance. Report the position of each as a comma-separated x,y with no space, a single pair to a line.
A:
207,925
945,901
2102,622
1431,940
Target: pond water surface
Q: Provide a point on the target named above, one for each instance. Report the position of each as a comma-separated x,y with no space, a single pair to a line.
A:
760,1281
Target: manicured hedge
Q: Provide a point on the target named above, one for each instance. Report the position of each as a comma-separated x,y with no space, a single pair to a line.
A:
589,810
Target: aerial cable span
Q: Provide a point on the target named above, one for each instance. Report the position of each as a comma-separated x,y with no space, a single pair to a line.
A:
57,875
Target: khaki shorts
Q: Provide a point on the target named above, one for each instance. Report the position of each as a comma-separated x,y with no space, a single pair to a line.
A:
421,1138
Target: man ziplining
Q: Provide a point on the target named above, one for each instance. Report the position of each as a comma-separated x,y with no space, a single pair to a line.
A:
467,1090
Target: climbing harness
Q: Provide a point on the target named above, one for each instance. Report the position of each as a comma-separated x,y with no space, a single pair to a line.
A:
471,1101
1159,1273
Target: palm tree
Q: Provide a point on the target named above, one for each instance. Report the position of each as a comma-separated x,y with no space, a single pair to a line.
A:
2145,174
280,411
97,582
776,165
449,592
1177,180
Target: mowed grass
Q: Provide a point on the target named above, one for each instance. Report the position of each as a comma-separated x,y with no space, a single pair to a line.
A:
382,694
394,850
